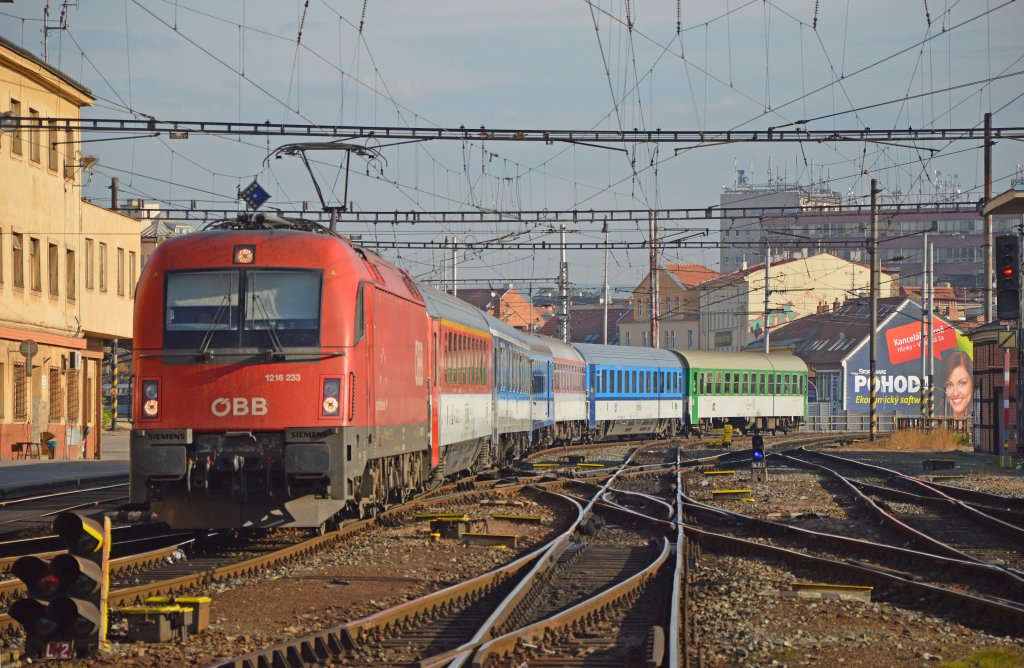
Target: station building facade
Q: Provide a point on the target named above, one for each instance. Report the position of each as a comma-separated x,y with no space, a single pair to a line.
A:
67,267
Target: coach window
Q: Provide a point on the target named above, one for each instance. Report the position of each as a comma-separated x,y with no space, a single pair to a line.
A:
718,382
464,366
745,389
728,383
735,383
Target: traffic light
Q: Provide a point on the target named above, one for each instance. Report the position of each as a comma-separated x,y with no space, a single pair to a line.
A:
757,449
64,612
1007,263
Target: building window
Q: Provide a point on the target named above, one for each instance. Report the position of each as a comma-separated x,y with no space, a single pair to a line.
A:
20,394
73,396
33,135
56,396
689,339
88,264
69,274
643,339
35,264
69,154
103,267
131,274
18,259
120,271
16,135
52,159
52,268
627,338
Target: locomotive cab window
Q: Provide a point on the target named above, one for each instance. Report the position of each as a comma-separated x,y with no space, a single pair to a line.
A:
242,309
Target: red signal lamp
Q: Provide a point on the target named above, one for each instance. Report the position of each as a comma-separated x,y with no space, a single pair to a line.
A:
1008,271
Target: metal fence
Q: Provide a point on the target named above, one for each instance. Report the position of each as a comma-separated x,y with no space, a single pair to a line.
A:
843,421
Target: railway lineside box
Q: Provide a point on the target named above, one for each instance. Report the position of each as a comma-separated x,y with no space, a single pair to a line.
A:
200,609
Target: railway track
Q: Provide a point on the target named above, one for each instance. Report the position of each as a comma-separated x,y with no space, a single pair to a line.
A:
189,577
935,522
986,580
588,568
37,512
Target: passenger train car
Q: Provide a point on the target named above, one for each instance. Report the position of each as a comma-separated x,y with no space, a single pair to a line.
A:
286,377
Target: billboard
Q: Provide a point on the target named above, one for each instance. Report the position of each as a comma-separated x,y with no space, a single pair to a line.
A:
898,368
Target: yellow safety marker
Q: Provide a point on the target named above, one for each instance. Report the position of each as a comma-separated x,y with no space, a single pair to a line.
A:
518,518
590,465
730,492
490,539
841,591
545,464
719,472
441,516
748,499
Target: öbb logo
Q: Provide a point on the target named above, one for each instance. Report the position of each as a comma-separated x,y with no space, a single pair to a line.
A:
239,406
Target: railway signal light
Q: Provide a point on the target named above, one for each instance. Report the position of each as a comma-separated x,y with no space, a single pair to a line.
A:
1007,260
64,613
757,448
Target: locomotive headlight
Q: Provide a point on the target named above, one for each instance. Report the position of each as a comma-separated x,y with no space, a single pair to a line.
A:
244,254
151,396
330,404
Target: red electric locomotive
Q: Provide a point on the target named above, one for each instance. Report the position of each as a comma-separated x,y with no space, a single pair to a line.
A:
281,377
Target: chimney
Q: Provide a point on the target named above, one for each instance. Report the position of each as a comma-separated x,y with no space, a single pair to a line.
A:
836,305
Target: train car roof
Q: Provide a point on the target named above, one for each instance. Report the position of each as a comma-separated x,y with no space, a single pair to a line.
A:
444,306
507,331
596,353
709,359
561,349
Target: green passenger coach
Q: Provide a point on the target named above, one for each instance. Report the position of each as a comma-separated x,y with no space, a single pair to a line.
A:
747,390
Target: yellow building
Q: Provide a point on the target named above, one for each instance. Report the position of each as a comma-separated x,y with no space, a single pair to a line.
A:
67,267
732,307
678,308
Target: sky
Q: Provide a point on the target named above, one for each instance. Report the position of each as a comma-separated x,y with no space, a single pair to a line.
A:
531,64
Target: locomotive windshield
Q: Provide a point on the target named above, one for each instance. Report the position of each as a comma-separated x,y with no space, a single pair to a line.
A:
251,309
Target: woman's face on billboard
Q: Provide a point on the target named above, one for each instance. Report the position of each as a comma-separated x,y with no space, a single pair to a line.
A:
958,391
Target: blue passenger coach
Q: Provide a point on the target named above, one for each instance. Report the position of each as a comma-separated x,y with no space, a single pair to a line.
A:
633,391
510,391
